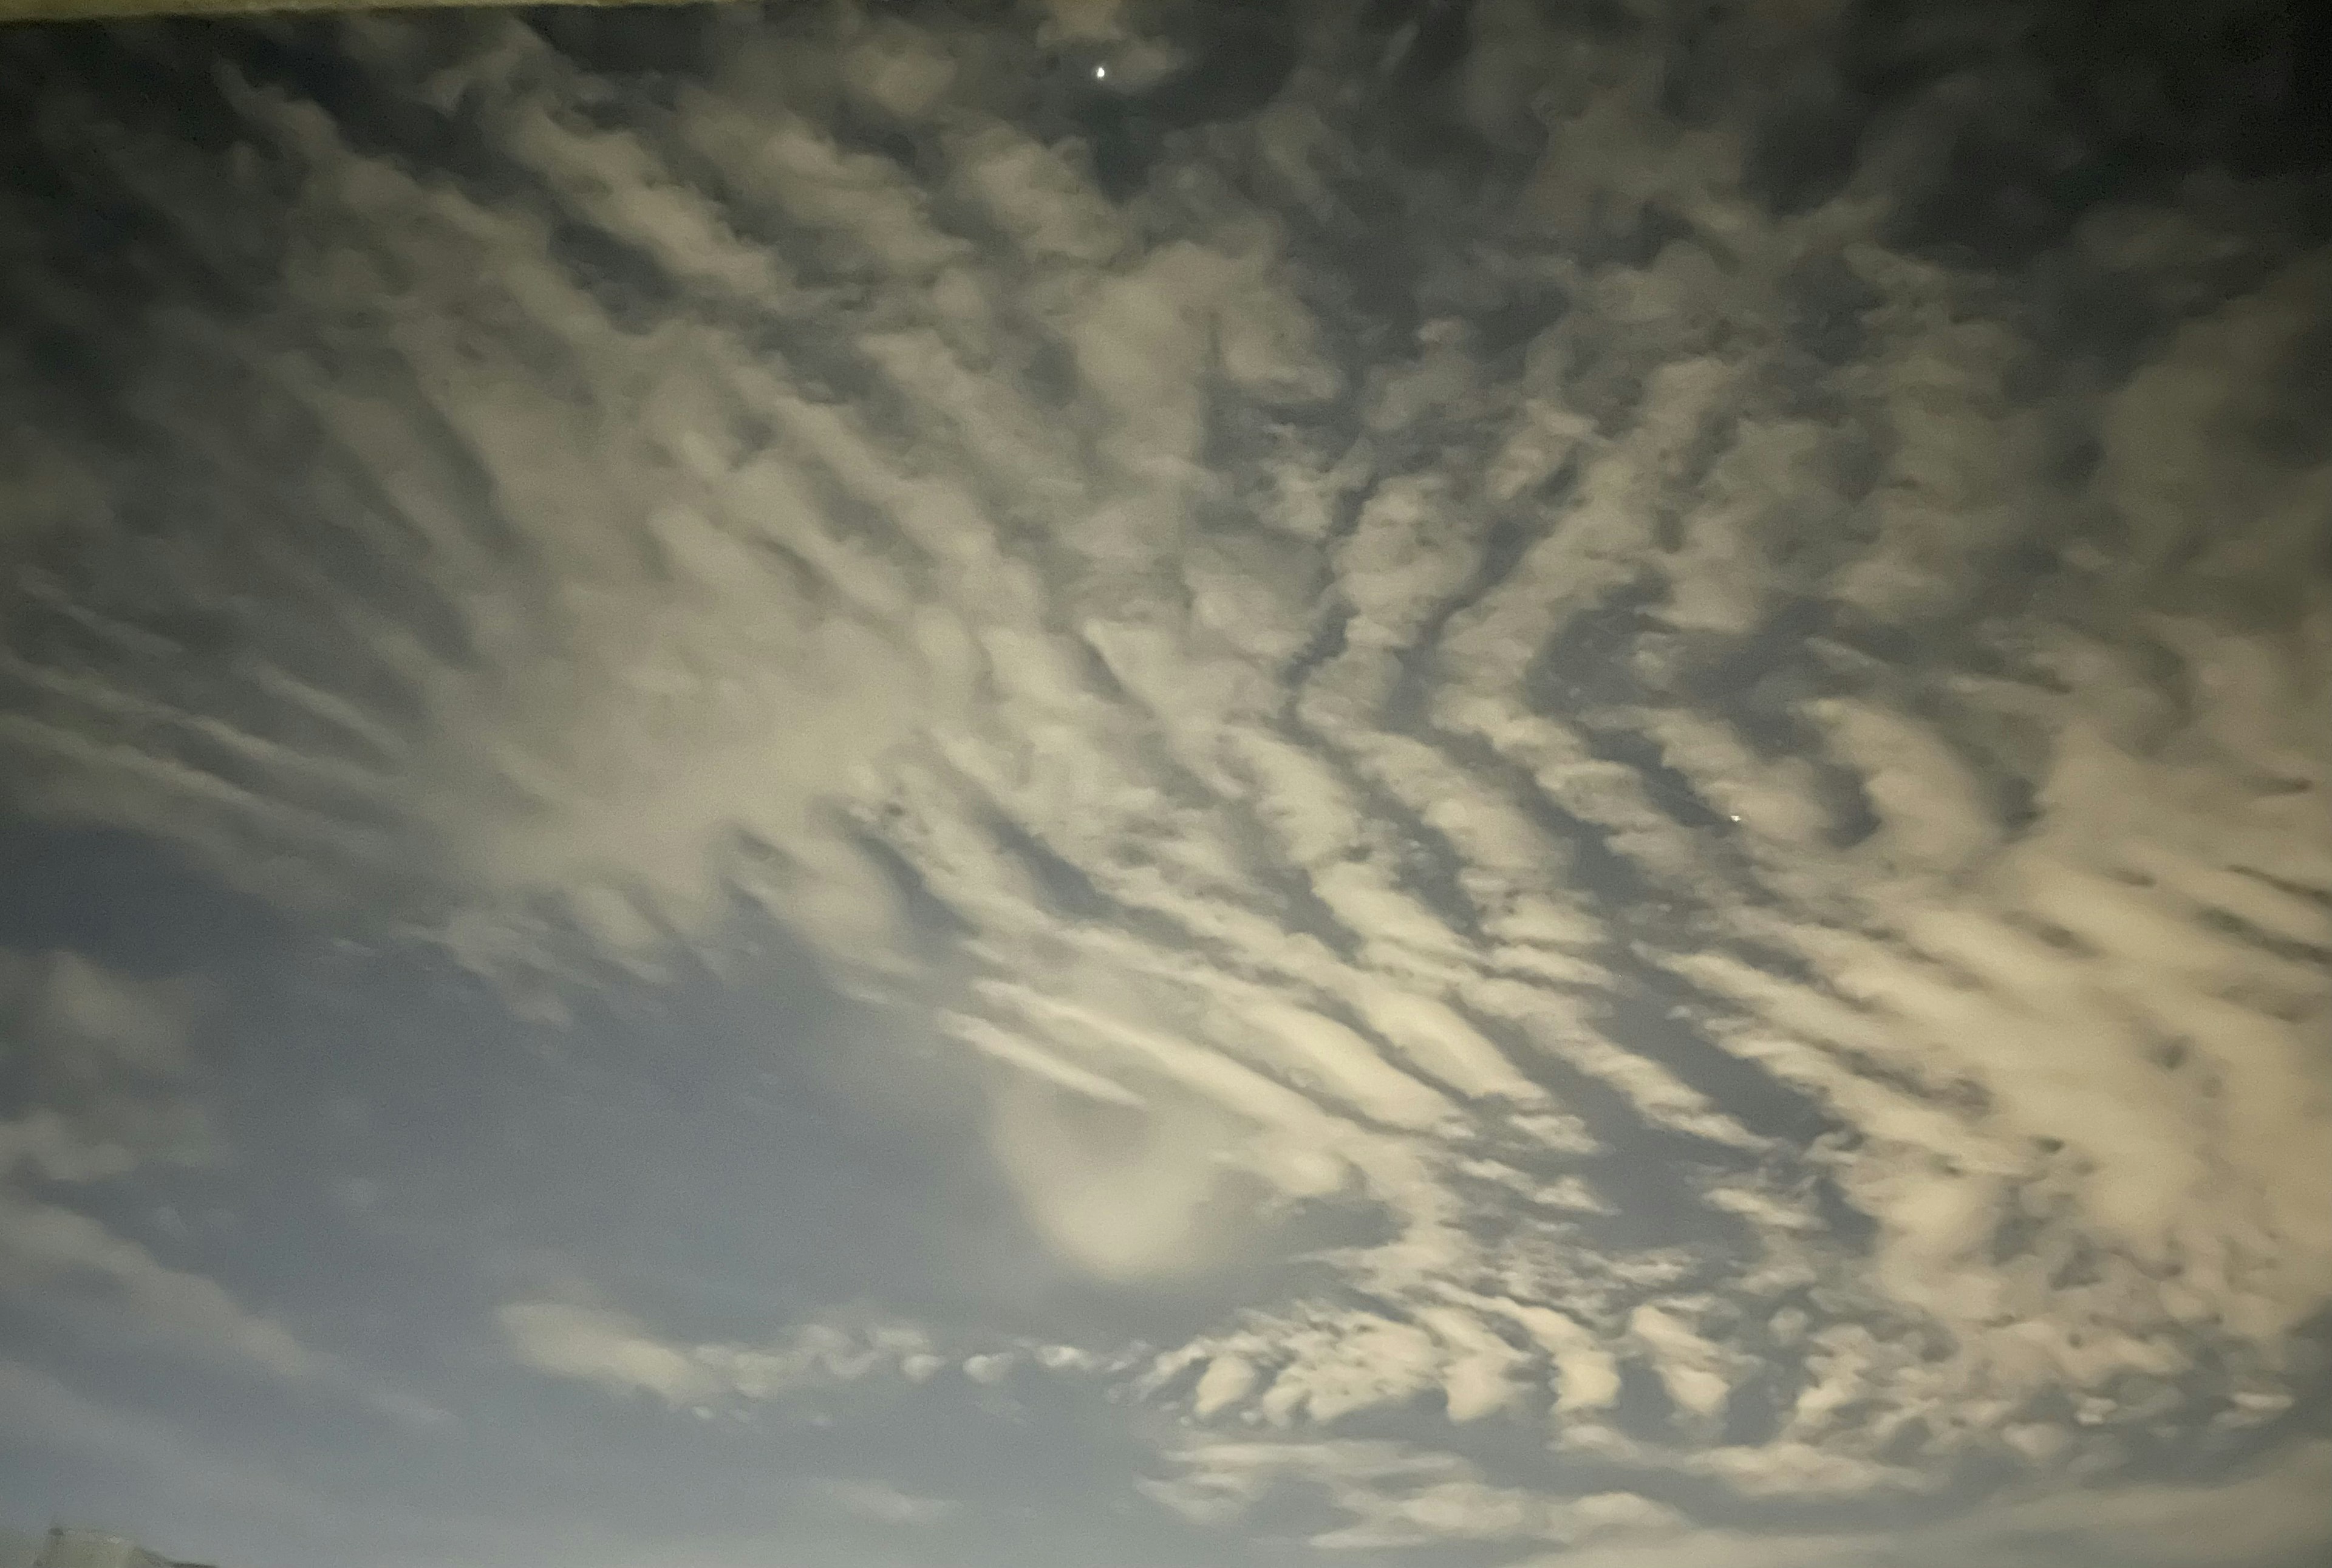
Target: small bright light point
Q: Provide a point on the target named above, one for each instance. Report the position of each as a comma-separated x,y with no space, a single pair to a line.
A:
1100,74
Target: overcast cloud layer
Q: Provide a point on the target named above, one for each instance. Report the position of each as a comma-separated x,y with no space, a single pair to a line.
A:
1166,782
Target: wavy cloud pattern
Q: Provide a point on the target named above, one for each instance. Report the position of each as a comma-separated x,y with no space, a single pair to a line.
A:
1675,662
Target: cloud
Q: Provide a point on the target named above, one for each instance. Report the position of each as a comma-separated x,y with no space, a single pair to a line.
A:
2271,1518
1394,1497
54,1149
108,1083
105,1068
47,1252
66,1007
104,1065
885,1504
1754,809
604,1348
1127,1193
598,1345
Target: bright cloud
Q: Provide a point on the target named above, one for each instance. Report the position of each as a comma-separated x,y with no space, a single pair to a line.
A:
1744,803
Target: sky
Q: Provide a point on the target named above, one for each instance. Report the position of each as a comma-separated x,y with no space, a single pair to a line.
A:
1138,783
